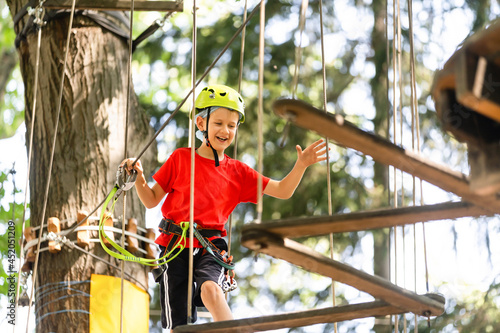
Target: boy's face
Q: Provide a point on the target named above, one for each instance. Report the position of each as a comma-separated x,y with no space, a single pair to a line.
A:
222,127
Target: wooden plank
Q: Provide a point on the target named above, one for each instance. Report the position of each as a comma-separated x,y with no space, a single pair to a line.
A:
295,319
357,221
300,255
122,5
381,150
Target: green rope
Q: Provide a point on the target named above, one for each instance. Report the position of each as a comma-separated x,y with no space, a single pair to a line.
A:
126,255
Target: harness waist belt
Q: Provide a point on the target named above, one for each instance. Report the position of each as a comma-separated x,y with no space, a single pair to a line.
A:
168,227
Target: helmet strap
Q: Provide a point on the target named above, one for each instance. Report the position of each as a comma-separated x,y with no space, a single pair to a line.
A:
216,155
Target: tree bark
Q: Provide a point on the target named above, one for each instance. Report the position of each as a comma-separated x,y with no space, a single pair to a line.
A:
89,147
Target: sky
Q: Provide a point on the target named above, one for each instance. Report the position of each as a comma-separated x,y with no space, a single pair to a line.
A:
457,266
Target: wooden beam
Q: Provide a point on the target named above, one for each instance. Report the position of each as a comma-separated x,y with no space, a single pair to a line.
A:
295,319
358,221
485,168
381,150
121,5
300,255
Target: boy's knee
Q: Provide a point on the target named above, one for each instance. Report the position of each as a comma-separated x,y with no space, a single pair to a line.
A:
210,290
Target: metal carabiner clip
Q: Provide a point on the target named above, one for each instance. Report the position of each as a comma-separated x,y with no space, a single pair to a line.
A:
124,180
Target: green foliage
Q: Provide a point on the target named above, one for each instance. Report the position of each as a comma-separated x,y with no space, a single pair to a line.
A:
11,87
10,231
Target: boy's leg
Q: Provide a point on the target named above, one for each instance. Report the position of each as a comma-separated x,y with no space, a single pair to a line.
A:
215,302
209,276
173,292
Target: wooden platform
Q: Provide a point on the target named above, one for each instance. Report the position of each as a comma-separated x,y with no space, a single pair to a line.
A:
381,150
312,261
358,221
472,73
121,5
295,319
466,92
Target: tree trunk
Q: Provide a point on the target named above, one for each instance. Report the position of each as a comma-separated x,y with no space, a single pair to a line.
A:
89,148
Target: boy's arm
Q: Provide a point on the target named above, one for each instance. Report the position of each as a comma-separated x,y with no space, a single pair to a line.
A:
150,196
285,188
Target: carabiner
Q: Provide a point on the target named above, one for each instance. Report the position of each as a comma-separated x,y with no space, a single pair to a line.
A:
124,180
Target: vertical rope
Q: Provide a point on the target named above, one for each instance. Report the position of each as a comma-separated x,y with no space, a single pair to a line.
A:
328,172
235,147
51,162
298,49
401,121
395,197
413,126
30,152
193,156
388,181
296,69
260,111
125,155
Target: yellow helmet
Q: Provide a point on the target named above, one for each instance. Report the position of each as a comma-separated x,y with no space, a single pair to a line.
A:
222,96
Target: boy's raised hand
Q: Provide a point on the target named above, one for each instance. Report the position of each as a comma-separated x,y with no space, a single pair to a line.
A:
316,152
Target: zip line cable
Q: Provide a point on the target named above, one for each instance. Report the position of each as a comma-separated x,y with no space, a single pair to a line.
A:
42,217
212,65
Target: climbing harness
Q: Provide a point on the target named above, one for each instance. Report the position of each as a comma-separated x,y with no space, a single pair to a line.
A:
221,257
168,227
125,182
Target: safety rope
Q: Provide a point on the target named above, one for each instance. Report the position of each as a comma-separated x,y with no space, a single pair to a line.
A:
51,161
192,178
125,153
328,171
394,122
235,146
62,240
123,254
414,125
260,112
298,49
298,61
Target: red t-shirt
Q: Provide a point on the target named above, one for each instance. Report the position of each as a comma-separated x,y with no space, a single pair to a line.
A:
217,191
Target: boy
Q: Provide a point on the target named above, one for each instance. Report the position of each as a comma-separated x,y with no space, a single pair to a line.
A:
220,184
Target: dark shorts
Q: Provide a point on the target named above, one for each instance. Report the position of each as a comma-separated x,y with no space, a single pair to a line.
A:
174,283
